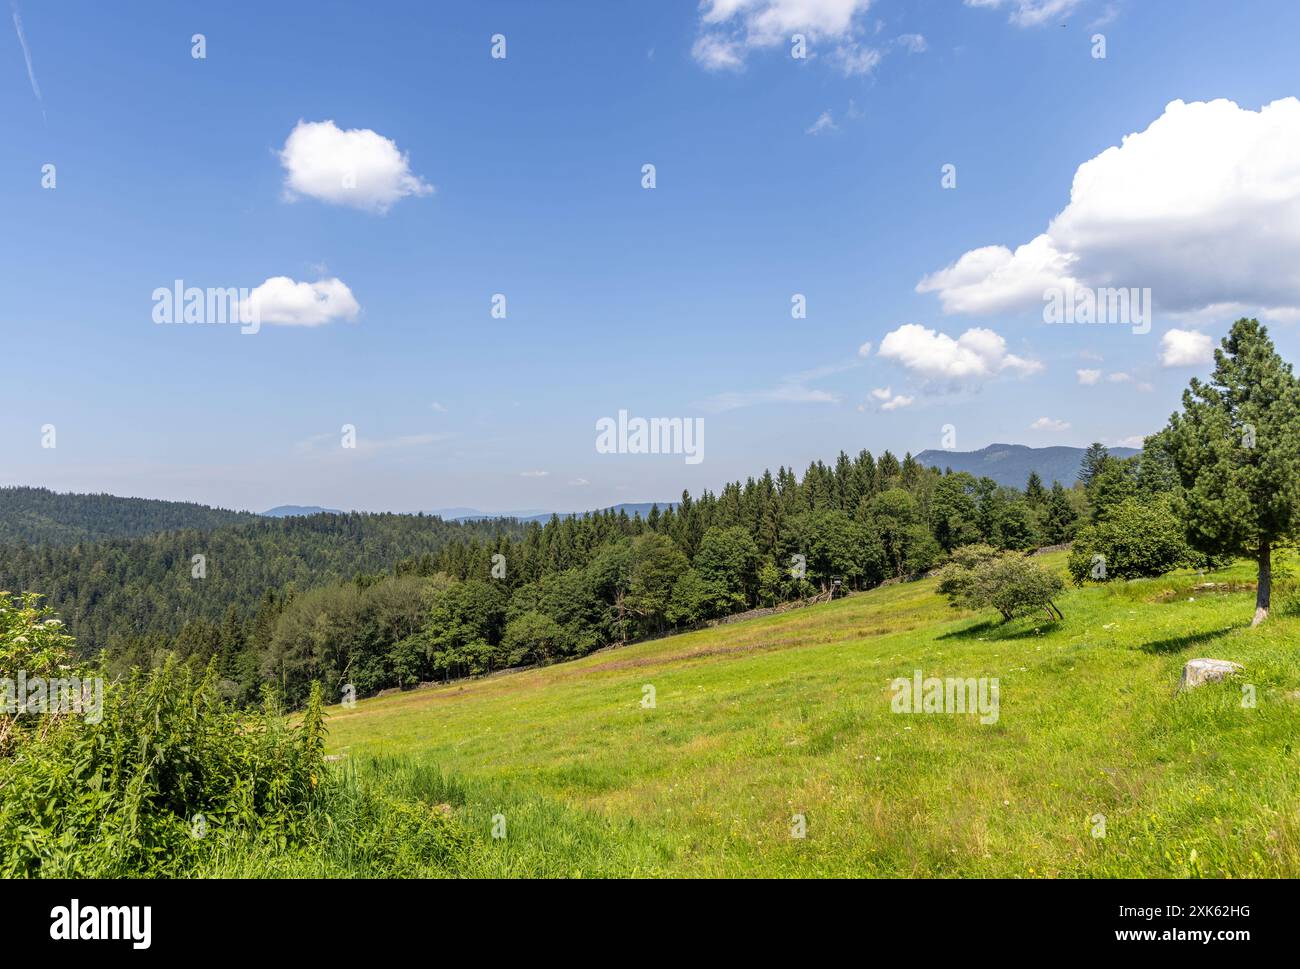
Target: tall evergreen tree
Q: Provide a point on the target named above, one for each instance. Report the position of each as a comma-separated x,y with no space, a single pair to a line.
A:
1094,460
1034,492
1236,447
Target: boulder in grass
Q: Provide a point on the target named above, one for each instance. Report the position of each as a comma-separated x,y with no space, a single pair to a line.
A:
1198,671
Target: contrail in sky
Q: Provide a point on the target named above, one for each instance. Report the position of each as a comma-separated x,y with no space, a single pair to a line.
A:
27,54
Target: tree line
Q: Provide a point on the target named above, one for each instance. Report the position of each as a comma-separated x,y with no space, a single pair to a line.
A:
506,594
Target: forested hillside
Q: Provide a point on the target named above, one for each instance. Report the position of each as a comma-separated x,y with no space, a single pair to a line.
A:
121,587
443,601
38,516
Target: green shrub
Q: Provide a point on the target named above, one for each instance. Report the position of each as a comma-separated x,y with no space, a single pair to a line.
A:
1138,538
981,577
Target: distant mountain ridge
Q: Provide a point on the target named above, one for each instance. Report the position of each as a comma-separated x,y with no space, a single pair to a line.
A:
641,508
1010,464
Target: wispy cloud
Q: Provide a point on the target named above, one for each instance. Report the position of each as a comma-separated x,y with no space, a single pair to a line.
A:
793,389
27,56
328,443
824,122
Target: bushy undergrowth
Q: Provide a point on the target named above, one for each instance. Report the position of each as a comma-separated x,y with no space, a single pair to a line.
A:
169,769
165,778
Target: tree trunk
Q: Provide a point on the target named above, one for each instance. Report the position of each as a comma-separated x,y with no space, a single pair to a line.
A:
1262,593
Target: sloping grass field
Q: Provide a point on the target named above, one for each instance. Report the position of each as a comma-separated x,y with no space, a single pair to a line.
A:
1095,767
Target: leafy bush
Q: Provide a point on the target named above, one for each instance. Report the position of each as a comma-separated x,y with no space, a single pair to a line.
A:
980,577
31,641
1137,538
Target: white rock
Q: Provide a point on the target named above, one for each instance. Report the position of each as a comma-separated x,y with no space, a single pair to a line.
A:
1198,671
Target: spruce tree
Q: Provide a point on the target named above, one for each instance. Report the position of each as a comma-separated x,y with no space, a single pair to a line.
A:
1034,493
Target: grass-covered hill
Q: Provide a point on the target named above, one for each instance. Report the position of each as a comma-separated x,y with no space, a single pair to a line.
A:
1095,766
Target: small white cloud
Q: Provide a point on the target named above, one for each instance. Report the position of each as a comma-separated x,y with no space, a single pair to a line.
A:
824,122
1186,348
1118,378
1088,377
977,354
357,167
1049,424
438,407
280,300
1133,440
888,399
533,474
865,349
914,43
579,482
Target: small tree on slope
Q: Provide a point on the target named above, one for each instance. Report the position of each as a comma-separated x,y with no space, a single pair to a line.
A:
1236,448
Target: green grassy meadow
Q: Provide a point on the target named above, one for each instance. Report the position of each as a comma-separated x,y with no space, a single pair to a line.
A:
758,721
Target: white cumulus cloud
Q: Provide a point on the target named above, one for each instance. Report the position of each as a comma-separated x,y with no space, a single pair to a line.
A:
1202,208
1186,348
975,355
1088,376
356,167
281,300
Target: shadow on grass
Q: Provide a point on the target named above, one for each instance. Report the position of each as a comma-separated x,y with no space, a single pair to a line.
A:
994,629
1176,644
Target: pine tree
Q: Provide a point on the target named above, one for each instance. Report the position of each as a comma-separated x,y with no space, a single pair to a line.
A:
1236,447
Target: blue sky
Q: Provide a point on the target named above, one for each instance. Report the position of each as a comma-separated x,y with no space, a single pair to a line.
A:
775,176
